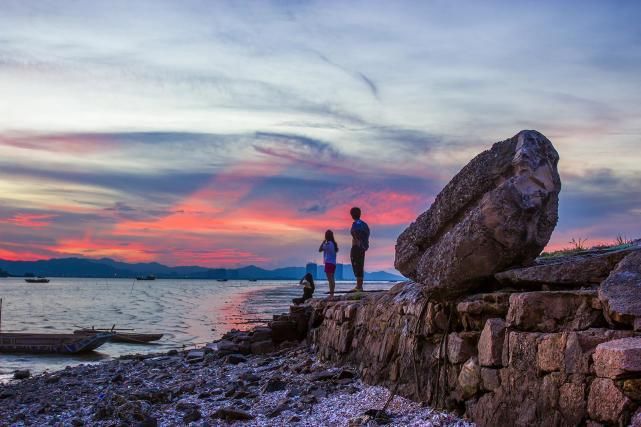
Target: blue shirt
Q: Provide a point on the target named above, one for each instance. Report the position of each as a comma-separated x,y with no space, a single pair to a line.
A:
360,234
329,253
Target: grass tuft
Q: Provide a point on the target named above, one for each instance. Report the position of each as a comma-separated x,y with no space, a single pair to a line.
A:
578,245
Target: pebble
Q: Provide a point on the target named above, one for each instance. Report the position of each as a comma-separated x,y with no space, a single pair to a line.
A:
21,374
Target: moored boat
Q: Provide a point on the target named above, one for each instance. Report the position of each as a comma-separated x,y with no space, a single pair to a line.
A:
150,277
36,280
24,342
120,336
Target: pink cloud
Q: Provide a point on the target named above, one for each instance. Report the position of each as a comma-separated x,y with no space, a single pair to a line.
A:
29,220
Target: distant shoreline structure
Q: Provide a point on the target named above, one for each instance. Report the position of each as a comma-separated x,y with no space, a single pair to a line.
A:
107,268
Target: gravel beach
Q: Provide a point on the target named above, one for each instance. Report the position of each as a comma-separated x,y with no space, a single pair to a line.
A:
209,387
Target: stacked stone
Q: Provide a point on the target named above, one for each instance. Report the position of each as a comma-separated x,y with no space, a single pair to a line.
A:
551,343
284,330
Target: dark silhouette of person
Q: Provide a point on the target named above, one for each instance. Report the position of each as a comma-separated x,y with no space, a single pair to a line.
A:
308,289
360,244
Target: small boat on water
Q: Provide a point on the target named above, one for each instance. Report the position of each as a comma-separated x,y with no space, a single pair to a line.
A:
222,280
150,277
120,336
36,280
36,343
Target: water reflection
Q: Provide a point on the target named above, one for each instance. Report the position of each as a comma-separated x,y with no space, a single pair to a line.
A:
188,312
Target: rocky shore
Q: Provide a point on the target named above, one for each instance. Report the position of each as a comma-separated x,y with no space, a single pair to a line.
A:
216,385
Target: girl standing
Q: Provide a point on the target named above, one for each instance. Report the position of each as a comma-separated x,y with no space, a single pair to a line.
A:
329,247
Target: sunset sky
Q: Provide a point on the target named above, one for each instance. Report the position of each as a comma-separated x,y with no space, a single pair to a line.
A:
233,133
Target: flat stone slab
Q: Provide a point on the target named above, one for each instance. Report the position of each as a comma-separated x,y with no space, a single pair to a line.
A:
585,268
620,293
618,358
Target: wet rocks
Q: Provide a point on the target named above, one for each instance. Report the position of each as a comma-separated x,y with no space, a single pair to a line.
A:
21,374
284,330
133,411
497,212
262,347
264,390
232,414
191,415
272,385
235,359
152,395
191,410
196,356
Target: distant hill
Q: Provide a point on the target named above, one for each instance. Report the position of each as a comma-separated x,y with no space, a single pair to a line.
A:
105,267
3,273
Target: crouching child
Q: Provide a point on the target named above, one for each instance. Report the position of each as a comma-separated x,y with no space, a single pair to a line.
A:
308,289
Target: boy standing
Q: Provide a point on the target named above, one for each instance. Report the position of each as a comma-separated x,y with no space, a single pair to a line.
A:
360,244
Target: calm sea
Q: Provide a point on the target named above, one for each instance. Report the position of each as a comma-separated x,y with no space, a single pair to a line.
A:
188,312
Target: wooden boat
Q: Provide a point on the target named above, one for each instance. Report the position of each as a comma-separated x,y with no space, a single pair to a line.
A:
22,342
37,280
120,336
150,277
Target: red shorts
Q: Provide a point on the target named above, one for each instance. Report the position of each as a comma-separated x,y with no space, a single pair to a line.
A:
330,268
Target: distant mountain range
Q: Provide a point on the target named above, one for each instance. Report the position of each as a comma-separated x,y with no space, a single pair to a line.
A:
105,267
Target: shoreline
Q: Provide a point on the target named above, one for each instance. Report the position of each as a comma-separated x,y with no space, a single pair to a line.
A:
209,386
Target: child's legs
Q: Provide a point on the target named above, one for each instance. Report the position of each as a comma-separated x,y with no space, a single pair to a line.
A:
330,269
332,283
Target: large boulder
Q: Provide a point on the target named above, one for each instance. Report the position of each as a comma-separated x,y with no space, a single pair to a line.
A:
497,212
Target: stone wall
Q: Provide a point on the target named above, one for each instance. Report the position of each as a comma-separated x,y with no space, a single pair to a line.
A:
501,358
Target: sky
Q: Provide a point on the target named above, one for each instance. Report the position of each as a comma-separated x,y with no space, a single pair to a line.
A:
225,134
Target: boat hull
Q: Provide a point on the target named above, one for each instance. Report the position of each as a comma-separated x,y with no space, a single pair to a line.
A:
124,337
51,343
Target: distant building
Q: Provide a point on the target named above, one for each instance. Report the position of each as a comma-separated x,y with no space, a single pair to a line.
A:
339,272
312,268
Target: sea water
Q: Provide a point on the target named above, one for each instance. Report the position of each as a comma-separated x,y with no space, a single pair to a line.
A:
188,312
